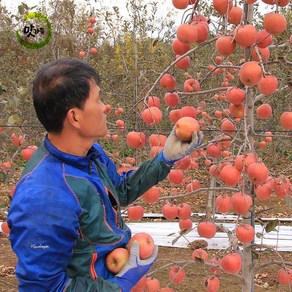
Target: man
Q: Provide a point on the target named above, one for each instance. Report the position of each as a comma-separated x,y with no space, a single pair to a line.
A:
65,214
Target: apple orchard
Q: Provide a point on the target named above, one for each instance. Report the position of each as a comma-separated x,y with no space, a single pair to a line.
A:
224,70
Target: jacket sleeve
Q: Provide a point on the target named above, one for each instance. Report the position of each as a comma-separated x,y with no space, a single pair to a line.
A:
44,225
132,184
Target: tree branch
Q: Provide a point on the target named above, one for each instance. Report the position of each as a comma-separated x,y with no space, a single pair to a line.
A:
172,64
200,190
260,96
272,262
204,91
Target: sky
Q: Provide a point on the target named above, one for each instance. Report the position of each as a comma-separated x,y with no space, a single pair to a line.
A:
10,4
166,5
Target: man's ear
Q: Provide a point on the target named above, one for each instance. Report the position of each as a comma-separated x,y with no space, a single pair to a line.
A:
73,117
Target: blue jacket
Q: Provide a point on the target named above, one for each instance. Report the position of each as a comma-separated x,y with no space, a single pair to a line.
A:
65,217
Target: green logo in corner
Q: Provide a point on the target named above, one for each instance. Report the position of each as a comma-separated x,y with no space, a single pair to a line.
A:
35,36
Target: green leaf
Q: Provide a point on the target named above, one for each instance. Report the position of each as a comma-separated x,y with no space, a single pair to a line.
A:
13,102
289,201
175,240
258,103
14,120
199,260
7,178
23,90
21,9
25,5
251,266
255,255
271,225
259,235
3,88
154,43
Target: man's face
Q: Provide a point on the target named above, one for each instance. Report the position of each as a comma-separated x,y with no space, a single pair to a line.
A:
93,120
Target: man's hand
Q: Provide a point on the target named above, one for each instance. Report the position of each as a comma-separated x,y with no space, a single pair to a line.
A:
135,269
175,149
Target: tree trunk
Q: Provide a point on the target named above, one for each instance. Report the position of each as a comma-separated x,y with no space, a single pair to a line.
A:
211,199
247,265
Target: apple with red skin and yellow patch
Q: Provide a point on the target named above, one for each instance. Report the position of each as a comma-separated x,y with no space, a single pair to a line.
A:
117,259
185,127
145,242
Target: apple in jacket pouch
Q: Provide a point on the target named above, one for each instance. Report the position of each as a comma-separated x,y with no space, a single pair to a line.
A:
117,259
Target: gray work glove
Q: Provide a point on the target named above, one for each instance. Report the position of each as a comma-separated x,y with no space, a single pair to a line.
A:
174,149
135,269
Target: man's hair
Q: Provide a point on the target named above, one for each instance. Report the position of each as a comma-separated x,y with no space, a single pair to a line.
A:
59,86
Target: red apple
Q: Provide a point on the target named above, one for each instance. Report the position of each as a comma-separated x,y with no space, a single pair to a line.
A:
117,259
191,85
199,253
28,152
286,120
231,263
171,99
170,211
177,274
185,224
152,284
212,284
17,140
4,228
140,285
92,19
146,244
245,233
6,164
82,54
184,211
168,82
285,276
135,213
185,127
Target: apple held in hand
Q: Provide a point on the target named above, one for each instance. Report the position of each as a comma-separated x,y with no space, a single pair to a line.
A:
117,259
146,244
185,127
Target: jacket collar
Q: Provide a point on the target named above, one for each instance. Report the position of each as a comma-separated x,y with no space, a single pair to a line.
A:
67,158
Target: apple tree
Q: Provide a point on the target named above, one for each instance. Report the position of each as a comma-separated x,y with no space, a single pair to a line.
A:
232,94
